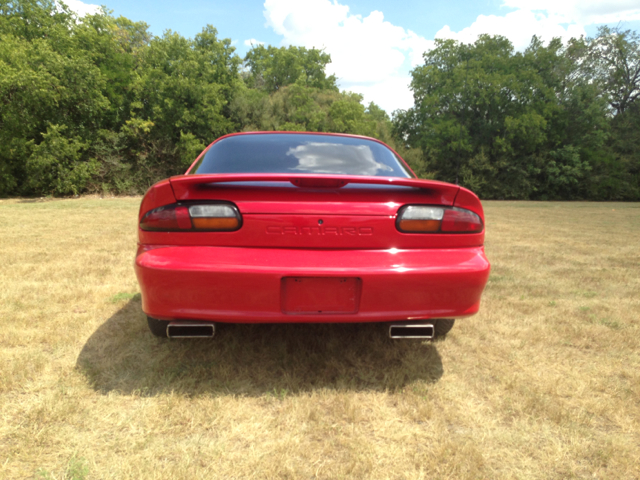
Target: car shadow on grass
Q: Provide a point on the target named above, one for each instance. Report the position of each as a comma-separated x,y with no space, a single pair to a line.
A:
253,360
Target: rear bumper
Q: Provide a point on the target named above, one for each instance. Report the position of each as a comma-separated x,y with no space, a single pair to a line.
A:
243,285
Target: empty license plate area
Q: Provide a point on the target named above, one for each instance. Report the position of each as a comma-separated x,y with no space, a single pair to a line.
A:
320,295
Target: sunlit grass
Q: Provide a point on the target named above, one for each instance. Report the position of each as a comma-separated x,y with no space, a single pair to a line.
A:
543,383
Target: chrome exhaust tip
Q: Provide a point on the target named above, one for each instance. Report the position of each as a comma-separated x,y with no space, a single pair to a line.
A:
191,330
412,330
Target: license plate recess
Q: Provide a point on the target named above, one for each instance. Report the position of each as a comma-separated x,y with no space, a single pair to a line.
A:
320,295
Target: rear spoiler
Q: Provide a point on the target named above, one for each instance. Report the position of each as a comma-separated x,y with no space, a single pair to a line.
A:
183,184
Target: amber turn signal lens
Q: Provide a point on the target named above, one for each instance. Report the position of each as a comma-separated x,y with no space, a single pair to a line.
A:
220,217
416,226
215,223
419,219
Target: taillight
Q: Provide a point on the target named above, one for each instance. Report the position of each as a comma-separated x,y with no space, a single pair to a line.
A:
460,220
419,219
222,217
429,219
205,217
169,217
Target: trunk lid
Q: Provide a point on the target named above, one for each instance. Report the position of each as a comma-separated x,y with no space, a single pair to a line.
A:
312,211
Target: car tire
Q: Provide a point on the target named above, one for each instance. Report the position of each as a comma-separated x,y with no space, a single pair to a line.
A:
158,327
442,327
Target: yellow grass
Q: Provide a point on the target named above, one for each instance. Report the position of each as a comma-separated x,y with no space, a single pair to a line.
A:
543,383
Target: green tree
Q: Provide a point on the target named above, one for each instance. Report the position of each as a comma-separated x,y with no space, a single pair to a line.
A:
298,107
55,167
180,102
503,122
614,61
611,61
270,68
45,81
116,47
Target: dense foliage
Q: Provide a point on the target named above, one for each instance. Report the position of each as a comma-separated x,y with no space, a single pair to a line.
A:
100,104
552,122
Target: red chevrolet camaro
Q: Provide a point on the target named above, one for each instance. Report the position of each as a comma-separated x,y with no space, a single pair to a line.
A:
303,227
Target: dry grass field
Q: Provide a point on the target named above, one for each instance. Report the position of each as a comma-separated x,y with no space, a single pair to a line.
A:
543,383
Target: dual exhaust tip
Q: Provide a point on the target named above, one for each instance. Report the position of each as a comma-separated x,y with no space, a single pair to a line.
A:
425,331
191,330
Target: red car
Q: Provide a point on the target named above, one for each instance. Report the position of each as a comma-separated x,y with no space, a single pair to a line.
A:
306,227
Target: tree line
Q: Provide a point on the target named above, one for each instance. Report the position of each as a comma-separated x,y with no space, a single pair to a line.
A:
99,104
553,122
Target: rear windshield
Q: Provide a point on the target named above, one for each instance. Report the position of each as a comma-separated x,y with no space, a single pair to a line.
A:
300,153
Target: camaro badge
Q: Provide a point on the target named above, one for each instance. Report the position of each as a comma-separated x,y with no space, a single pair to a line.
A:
348,231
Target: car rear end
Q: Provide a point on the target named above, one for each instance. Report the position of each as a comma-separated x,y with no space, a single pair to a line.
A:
313,241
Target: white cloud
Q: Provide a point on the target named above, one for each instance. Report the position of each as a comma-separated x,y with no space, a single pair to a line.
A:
252,41
391,94
373,57
368,54
546,19
518,27
81,8
583,12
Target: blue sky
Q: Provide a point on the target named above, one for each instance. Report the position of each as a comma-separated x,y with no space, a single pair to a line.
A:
374,44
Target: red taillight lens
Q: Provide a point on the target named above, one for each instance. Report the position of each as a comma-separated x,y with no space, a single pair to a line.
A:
167,218
431,219
459,220
205,217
